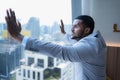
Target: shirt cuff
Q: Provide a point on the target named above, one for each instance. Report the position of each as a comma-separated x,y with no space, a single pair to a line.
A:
24,41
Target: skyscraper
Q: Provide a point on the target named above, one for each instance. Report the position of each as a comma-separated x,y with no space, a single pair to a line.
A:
10,55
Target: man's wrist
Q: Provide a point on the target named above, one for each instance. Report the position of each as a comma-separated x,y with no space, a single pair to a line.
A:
64,33
20,38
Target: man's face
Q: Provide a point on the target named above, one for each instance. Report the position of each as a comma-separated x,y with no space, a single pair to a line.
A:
77,29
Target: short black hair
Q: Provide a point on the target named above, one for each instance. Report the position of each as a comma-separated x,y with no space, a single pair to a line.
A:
88,21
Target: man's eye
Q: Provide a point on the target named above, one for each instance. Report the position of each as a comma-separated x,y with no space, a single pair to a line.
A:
76,26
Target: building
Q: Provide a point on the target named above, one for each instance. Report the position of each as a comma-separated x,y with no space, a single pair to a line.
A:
10,55
40,67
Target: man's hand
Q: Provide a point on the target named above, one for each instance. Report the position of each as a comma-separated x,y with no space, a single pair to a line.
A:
62,27
13,26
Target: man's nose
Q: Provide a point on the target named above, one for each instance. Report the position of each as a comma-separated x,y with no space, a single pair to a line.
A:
72,29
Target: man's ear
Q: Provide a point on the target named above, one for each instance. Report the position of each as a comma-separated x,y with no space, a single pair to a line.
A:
87,30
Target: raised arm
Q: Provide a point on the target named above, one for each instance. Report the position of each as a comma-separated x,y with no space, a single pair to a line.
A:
62,27
13,26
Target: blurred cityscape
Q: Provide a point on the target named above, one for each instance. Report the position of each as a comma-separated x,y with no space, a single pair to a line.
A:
19,64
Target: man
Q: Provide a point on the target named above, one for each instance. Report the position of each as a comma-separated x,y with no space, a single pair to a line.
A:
88,54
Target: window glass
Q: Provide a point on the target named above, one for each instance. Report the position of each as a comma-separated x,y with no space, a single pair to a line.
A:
28,73
39,19
33,74
40,63
30,61
38,75
24,72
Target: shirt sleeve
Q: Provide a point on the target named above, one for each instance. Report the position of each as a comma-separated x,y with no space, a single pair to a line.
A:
69,53
24,41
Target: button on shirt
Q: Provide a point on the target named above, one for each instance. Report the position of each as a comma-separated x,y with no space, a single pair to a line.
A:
88,55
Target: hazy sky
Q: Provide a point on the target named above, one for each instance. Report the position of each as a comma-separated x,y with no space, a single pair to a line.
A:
47,10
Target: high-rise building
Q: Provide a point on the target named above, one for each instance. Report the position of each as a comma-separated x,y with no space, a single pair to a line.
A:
33,26
10,55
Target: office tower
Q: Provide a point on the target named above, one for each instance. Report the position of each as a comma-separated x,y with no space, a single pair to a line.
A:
10,55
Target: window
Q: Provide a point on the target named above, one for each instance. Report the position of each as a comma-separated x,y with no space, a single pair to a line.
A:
33,74
40,63
40,19
24,72
50,62
38,75
30,61
28,73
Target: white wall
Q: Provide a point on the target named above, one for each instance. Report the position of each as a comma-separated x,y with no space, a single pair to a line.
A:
105,14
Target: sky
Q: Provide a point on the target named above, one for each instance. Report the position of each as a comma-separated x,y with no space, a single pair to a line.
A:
47,11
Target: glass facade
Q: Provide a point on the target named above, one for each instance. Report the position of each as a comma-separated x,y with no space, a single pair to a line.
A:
10,56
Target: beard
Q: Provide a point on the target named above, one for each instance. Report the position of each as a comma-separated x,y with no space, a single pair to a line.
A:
78,36
75,37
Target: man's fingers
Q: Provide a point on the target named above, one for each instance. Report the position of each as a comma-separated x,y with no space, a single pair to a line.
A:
8,26
19,26
62,23
60,26
13,15
13,26
8,15
6,19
